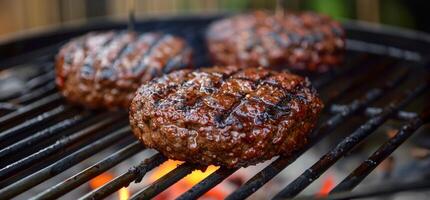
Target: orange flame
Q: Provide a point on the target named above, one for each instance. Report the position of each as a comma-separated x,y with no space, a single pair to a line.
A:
187,182
164,168
327,185
193,178
100,180
123,194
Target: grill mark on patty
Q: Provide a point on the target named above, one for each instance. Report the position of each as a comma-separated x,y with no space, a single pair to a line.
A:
110,47
176,62
254,86
291,92
128,48
213,89
253,41
217,86
87,69
279,41
190,103
226,77
179,86
221,120
108,72
126,51
76,46
199,99
282,107
167,87
140,67
279,31
153,70
289,95
145,39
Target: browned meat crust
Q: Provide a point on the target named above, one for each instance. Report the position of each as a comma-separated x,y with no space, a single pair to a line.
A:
304,41
225,115
104,69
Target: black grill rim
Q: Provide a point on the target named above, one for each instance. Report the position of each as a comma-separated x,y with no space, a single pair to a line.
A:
13,49
16,50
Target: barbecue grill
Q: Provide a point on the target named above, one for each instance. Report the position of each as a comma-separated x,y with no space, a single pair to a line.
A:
384,78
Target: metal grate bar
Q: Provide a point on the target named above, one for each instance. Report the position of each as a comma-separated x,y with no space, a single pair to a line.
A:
54,148
357,81
46,65
134,174
35,94
382,153
40,80
328,126
43,134
30,108
91,172
376,190
7,107
63,164
164,182
206,184
374,111
30,124
324,80
346,144
43,78
40,56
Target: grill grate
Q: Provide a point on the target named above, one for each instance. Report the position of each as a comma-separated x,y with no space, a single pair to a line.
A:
41,136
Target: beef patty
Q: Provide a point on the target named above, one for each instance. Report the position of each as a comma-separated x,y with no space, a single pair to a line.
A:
227,116
304,41
104,69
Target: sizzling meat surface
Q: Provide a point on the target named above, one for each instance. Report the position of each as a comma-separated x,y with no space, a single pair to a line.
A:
104,69
304,41
225,115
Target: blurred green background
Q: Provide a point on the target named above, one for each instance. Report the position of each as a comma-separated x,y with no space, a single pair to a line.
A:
23,15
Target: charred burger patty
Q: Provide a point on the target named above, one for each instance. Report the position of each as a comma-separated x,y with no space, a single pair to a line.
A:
304,41
104,69
225,115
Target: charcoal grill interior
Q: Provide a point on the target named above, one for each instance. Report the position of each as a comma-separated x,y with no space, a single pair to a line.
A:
384,78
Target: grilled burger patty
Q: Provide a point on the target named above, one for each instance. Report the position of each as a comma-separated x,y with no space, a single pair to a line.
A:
305,41
227,116
104,69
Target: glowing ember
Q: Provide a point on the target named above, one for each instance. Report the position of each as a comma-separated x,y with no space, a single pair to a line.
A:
198,175
187,182
100,180
327,186
123,194
164,168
